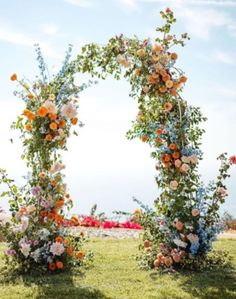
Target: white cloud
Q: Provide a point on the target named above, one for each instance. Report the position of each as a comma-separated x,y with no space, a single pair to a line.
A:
200,21
22,39
50,29
198,16
129,4
81,3
223,57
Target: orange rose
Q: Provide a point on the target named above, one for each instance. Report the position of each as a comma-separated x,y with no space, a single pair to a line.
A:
166,78
60,203
74,220
173,56
60,265
52,266
159,131
172,146
168,107
59,239
13,77
70,251
173,92
80,254
62,142
29,114
163,89
138,72
43,213
61,123
74,121
51,216
52,116
53,183
67,242
42,111
167,158
28,127
176,155
183,79
144,138
53,126
30,96
58,219
48,137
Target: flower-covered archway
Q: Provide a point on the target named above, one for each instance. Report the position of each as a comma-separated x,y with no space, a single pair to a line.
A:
182,228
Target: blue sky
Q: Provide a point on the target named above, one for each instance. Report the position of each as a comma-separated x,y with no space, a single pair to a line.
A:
102,166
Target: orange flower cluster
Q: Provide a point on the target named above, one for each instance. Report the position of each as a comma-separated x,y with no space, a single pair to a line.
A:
169,159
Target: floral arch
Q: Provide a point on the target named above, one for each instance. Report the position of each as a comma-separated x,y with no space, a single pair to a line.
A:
181,230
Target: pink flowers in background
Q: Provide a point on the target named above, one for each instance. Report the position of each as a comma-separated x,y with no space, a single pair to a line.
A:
91,221
233,159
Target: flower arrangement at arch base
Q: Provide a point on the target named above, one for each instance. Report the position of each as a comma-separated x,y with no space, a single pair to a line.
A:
34,231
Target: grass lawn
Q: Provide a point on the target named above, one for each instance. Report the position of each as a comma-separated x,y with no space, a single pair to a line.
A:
115,275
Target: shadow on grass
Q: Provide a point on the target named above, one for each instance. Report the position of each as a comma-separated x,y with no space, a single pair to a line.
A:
218,283
56,286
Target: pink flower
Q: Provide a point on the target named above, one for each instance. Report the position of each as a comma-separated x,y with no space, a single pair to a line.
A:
233,159
57,248
179,225
176,257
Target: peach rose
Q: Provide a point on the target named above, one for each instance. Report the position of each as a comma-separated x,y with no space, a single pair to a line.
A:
195,212
169,83
157,48
174,185
178,163
186,159
141,53
146,243
168,261
184,168
145,89
194,159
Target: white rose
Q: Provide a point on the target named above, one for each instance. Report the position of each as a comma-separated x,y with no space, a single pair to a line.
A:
180,243
25,249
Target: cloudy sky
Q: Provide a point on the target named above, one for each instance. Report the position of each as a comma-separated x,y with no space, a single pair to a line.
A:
102,166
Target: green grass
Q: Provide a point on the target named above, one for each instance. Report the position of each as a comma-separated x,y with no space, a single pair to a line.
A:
115,275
